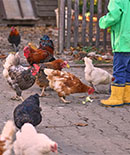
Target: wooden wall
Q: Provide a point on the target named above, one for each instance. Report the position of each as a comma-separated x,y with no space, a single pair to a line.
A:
45,10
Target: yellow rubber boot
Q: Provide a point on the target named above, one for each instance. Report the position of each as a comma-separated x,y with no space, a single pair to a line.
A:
126,98
116,98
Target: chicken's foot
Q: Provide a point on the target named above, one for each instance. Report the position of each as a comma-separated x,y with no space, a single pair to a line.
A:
17,98
96,90
65,101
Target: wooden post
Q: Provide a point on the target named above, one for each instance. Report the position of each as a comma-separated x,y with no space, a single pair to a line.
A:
76,22
105,31
61,25
69,14
91,22
99,14
84,9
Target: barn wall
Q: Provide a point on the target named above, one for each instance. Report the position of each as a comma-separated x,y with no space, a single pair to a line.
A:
45,10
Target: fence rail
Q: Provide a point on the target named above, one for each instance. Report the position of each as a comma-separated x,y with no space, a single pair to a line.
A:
86,31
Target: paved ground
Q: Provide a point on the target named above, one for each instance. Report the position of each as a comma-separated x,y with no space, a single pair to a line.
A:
107,131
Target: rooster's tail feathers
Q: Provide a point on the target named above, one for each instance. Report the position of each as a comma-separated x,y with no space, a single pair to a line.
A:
12,60
8,61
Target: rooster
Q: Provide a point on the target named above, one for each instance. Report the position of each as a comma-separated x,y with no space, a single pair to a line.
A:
41,79
28,111
6,138
14,38
18,77
46,44
29,142
37,55
65,83
94,75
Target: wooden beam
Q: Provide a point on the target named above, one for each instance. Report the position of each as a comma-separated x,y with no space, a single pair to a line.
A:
69,14
84,10
76,22
91,21
99,14
61,25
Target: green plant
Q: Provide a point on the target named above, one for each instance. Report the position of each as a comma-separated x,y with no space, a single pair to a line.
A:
87,49
79,62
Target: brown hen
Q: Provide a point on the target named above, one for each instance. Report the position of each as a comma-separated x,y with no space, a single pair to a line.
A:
65,83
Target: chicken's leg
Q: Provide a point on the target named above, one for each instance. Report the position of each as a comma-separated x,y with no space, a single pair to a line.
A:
43,92
15,48
94,87
65,101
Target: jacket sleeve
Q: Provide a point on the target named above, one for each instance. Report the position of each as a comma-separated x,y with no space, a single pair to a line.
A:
113,16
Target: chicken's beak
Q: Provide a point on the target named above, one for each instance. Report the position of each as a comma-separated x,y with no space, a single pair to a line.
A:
68,66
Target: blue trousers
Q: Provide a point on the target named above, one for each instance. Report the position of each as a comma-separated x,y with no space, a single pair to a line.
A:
121,68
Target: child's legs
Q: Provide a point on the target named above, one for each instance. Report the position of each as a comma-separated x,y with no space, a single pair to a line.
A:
121,67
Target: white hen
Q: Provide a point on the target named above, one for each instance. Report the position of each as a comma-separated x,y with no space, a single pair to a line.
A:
94,75
7,136
29,142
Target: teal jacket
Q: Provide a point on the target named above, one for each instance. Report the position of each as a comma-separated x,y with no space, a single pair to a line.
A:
118,19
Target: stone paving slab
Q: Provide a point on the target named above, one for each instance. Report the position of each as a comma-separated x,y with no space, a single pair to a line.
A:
107,132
